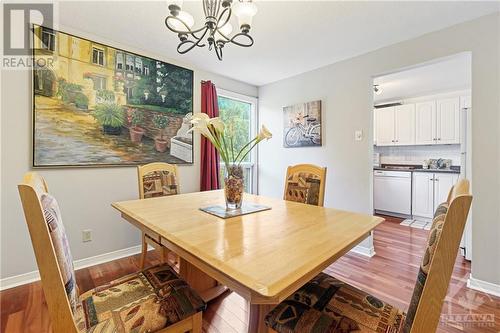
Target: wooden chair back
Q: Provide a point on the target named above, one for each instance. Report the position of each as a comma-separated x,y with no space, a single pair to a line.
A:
305,183
441,266
146,169
58,304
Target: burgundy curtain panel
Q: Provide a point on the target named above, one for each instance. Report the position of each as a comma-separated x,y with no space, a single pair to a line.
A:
209,175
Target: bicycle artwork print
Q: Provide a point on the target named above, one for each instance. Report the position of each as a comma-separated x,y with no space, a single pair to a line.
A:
302,125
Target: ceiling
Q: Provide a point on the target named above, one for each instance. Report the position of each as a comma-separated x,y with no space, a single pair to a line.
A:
452,73
291,37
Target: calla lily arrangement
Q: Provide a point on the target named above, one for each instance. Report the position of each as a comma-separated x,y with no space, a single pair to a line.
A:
221,136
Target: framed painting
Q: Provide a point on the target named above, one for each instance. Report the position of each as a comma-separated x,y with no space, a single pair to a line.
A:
302,125
96,105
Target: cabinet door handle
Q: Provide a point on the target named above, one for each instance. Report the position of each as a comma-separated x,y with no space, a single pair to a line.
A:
437,179
439,139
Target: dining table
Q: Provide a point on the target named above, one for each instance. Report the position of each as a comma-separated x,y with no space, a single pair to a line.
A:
264,256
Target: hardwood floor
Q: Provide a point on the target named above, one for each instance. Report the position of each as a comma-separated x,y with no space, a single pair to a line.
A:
389,275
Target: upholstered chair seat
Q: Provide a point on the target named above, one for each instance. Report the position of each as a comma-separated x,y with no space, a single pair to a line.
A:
148,301
326,304
153,300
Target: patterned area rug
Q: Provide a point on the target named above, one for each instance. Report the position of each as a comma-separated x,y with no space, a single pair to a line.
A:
419,224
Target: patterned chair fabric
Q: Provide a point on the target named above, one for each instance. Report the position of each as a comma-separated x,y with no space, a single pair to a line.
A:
434,235
326,304
61,246
148,301
159,184
303,187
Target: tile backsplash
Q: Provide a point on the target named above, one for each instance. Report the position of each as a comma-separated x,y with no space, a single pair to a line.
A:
417,154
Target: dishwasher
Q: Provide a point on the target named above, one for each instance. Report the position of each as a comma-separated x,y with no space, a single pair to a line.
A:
392,192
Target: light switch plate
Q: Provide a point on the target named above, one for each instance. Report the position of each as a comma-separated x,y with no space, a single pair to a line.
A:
358,135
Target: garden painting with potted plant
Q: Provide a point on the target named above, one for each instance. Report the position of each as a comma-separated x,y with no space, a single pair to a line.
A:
97,105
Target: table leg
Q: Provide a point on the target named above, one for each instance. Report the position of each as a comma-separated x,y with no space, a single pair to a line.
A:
256,317
207,287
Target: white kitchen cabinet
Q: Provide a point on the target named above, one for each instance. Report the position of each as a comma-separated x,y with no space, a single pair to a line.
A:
425,123
404,124
423,194
385,126
448,121
429,190
442,184
438,122
395,125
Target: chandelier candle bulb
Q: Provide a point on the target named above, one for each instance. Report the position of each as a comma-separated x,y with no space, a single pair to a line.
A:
245,11
175,6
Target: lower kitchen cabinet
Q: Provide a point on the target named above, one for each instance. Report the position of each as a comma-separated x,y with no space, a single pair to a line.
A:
429,190
423,194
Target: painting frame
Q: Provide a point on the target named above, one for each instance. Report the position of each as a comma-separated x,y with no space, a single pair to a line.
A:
90,164
303,125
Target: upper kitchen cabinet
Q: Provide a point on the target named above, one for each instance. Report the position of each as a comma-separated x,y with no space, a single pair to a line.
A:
425,132
438,122
448,121
395,126
404,121
385,132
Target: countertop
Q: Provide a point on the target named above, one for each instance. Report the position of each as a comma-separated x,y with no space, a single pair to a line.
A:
417,168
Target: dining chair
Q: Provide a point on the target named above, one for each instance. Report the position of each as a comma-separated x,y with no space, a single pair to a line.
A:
153,300
326,304
305,183
156,180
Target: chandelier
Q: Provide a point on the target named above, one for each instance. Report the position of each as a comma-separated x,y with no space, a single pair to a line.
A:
217,29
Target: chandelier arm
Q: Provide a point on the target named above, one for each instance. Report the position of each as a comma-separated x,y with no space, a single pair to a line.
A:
226,10
188,31
234,41
193,43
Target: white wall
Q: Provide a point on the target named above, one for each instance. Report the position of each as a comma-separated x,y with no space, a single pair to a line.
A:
347,94
84,194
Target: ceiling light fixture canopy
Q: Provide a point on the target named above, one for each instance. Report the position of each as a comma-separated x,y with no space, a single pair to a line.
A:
217,28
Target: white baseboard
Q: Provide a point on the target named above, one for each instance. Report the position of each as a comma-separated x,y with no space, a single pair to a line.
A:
483,286
364,251
17,280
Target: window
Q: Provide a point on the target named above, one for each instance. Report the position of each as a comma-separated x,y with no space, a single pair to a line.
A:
138,65
48,39
146,70
98,56
129,64
99,82
119,60
240,111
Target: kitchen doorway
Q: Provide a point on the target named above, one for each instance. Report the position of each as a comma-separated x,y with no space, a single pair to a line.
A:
422,140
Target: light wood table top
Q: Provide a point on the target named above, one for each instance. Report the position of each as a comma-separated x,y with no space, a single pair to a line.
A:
270,253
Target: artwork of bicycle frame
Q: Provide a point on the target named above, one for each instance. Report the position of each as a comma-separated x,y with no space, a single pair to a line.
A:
302,125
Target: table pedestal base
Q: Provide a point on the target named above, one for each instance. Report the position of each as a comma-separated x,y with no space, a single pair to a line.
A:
208,288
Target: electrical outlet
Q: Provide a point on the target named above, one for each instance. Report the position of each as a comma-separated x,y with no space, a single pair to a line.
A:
86,235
